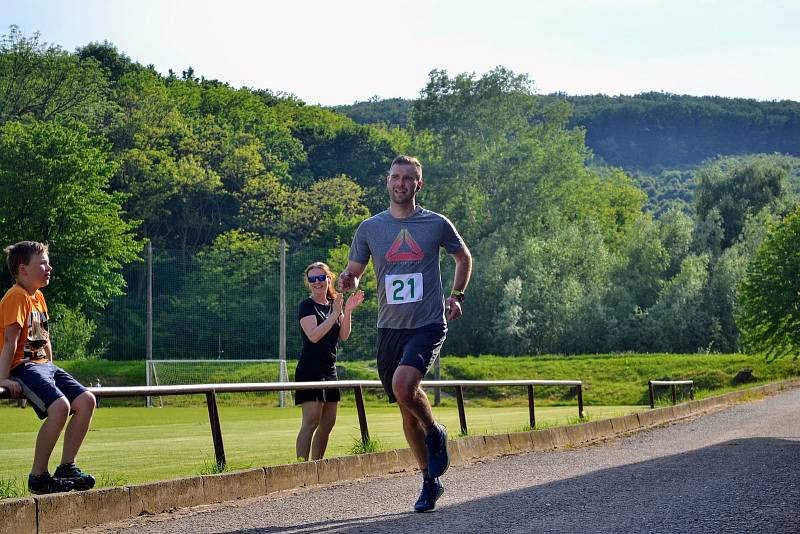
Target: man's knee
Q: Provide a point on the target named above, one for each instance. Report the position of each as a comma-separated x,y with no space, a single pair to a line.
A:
405,383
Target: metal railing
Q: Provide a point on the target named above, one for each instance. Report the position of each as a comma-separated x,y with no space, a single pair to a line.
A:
674,384
211,390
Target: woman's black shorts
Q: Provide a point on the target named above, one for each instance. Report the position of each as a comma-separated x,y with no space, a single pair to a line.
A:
310,395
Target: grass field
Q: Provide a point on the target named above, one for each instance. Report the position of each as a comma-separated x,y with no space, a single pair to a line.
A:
609,379
129,445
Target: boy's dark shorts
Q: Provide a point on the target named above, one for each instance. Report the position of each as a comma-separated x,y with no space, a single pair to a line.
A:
417,347
45,383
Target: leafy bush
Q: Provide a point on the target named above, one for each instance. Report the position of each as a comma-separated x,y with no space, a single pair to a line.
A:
72,333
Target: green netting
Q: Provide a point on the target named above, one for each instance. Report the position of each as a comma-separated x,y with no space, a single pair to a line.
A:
208,307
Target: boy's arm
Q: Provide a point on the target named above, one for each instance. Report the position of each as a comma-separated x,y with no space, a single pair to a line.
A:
48,350
11,335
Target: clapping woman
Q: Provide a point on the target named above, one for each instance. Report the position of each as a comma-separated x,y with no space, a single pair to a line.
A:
325,319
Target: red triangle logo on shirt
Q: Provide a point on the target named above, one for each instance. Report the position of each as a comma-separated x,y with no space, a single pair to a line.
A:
411,252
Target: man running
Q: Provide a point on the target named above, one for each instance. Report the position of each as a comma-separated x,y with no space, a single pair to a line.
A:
403,242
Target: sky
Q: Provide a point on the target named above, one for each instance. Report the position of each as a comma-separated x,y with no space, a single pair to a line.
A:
341,52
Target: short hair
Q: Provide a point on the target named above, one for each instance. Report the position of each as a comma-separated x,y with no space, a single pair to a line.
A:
331,277
21,254
408,160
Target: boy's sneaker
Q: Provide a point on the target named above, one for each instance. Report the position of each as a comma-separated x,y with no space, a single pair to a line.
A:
438,458
44,483
70,472
432,489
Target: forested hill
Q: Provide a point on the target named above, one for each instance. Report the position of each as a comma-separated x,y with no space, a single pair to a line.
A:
654,129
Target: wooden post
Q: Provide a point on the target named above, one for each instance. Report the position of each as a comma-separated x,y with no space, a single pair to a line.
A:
581,415
462,416
437,391
531,408
652,395
362,415
674,394
216,430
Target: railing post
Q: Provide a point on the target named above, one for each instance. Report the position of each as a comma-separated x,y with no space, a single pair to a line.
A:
462,416
652,395
531,409
691,391
437,375
581,415
674,394
216,430
362,415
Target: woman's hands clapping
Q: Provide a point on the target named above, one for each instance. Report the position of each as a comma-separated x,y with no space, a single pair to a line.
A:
338,302
354,300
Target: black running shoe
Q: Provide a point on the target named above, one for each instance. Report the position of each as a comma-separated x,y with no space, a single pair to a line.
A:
44,483
432,489
70,472
438,458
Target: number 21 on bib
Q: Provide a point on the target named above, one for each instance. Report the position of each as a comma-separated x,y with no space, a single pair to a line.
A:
403,288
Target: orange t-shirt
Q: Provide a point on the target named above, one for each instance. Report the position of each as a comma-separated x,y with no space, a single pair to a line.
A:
30,313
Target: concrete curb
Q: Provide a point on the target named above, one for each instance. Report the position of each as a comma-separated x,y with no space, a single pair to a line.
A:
65,511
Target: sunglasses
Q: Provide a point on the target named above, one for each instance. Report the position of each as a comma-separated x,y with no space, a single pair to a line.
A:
318,278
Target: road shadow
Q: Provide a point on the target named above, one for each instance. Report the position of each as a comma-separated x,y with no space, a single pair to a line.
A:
743,485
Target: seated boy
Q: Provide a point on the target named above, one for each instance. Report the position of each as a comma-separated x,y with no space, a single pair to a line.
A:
26,367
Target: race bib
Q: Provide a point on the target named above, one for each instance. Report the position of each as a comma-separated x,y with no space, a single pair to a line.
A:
403,288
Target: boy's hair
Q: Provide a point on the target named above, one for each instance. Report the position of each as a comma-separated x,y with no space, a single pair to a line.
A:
21,254
408,160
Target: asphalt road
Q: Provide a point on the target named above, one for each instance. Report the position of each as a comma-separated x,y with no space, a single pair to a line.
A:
734,470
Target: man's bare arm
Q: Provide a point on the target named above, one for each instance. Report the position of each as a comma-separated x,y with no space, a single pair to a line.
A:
350,277
463,259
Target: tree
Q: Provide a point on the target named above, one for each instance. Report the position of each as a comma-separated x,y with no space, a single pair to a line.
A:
679,321
769,295
116,63
54,188
736,188
45,82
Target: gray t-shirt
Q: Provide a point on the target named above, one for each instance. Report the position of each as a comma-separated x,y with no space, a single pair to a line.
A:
405,254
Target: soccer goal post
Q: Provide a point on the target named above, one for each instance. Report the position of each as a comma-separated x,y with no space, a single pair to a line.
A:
188,372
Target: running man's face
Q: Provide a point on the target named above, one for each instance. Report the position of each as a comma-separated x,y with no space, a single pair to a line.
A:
37,271
403,183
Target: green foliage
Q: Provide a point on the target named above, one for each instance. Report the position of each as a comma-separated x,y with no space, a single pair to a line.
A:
103,151
769,318
44,82
71,333
211,467
372,445
12,487
669,130
653,130
54,188
736,188
390,110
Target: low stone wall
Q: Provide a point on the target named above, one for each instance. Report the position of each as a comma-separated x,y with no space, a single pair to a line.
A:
65,511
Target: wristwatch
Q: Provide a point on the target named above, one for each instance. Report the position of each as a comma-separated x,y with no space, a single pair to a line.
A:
458,295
